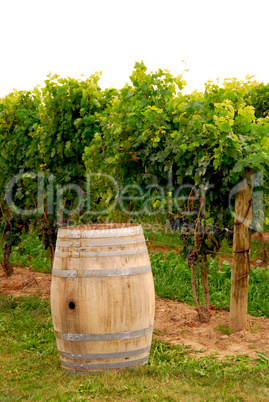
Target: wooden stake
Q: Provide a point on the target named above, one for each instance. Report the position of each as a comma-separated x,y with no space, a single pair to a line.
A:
241,249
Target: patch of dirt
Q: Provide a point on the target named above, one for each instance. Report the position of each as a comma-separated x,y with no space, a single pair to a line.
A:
175,322
254,262
25,282
162,249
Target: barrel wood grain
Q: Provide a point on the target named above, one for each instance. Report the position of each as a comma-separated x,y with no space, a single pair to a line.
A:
103,318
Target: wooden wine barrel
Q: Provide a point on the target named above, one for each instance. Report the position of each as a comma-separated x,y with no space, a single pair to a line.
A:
102,297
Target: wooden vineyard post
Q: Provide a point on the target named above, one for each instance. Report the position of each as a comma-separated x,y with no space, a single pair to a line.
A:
241,259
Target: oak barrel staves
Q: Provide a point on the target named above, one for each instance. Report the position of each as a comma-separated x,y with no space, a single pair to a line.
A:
102,297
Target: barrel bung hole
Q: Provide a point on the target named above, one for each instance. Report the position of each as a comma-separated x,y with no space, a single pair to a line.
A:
72,305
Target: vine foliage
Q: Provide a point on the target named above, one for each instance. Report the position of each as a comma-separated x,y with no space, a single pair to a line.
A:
185,153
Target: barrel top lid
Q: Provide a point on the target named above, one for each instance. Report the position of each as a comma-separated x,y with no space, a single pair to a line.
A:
100,230
100,226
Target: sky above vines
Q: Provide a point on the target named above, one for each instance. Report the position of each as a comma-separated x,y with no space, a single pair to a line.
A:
215,39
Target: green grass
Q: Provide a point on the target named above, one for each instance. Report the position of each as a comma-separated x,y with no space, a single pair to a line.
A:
30,253
224,330
162,237
30,368
255,251
29,362
256,247
172,279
